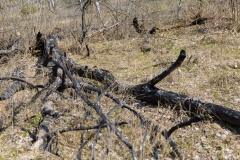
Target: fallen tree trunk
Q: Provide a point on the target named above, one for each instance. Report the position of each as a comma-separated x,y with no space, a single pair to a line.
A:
63,76
45,129
148,92
192,104
46,126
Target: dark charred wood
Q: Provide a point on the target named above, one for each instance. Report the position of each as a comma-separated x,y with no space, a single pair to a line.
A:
153,30
46,126
88,51
148,92
9,92
90,127
172,144
136,25
184,124
165,73
191,104
68,67
23,81
198,21
140,29
96,107
53,57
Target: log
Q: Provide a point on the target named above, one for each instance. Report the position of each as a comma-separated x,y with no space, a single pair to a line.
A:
46,126
52,57
45,129
191,104
149,93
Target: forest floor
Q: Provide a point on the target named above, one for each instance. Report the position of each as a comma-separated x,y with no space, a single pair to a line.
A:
211,72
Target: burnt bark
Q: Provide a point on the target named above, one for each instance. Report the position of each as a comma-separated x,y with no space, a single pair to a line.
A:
148,91
64,75
191,104
46,127
9,92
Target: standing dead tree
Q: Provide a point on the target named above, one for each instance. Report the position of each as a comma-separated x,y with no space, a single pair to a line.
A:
179,7
234,9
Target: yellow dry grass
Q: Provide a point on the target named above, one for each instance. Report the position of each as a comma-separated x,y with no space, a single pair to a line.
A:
210,72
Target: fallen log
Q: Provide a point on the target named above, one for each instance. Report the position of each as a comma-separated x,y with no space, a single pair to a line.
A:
52,57
191,104
148,92
46,126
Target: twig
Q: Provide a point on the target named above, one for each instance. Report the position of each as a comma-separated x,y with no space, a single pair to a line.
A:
21,80
83,144
167,134
172,144
102,30
187,123
95,141
90,127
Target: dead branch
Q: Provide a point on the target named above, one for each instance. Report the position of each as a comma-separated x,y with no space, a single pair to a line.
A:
90,127
23,81
53,55
148,92
167,134
9,92
97,108
45,128
184,124
54,58
7,52
165,73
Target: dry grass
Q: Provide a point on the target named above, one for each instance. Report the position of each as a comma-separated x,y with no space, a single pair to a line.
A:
210,72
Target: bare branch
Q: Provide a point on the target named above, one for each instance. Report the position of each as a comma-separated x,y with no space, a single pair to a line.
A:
165,73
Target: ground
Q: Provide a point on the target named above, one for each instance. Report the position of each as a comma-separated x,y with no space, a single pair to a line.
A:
211,72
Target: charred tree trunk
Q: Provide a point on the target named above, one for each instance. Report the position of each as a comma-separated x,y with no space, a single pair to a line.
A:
148,92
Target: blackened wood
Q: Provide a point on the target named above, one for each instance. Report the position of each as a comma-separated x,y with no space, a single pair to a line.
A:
45,128
96,107
184,124
188,103
148,92
165,73
9,92
23,81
